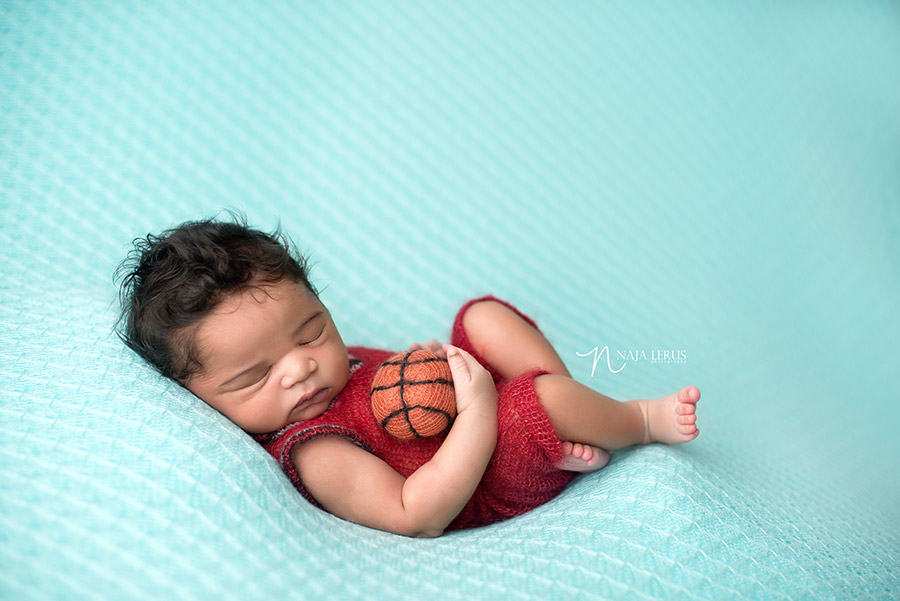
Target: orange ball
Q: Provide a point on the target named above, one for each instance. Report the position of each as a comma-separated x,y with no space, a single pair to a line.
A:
412,395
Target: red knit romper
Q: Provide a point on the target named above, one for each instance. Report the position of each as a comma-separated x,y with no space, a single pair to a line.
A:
520,475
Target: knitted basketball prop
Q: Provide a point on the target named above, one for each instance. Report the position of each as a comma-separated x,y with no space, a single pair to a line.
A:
413,396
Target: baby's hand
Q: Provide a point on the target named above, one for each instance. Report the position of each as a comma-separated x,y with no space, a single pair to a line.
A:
472,383
432,345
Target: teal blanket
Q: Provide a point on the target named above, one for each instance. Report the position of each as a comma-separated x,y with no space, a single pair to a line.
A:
708,192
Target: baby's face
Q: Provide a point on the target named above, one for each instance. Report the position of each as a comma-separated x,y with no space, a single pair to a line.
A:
270,359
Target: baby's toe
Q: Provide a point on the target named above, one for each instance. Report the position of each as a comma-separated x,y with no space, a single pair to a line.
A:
689,394
686,426
685,409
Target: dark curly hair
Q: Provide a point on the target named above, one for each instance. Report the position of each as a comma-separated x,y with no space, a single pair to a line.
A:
172,281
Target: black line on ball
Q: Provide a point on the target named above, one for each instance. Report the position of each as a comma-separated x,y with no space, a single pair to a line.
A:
412,383
405,411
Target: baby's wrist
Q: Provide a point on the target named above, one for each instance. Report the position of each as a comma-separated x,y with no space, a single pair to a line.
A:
483,410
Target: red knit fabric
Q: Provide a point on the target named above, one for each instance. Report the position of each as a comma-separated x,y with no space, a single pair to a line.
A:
520,476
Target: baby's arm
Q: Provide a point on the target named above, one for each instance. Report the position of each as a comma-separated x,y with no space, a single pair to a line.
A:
357,486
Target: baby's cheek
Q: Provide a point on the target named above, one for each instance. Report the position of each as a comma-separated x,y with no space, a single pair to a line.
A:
341,367
251,415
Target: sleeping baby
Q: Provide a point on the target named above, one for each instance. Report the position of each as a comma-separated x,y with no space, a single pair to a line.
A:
228,312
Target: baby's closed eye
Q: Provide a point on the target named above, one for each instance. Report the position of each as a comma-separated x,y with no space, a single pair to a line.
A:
313,339
253,378
311,330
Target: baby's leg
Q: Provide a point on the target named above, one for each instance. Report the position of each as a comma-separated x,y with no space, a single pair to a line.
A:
507,342
512,346
578,412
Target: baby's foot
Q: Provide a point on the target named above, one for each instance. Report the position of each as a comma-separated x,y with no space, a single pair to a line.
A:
578,457
671,419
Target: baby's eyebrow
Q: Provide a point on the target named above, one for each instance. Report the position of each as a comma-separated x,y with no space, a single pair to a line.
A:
262,364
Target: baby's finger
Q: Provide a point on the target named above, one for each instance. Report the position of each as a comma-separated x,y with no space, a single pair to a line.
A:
432,345
458,364
435,347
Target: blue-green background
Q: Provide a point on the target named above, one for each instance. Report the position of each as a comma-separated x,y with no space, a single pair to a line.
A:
718,178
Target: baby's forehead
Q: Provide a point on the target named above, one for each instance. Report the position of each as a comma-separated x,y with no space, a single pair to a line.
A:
242,320
269,297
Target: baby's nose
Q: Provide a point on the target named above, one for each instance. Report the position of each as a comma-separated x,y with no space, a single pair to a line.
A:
298,370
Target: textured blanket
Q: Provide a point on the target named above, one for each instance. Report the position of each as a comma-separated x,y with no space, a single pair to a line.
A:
679,193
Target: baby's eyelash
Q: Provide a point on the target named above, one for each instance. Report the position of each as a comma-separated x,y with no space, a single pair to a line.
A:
319,335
